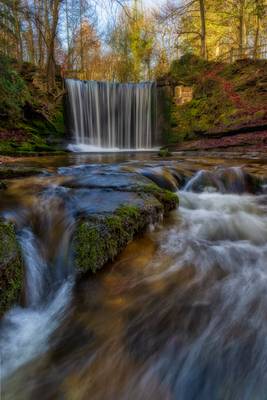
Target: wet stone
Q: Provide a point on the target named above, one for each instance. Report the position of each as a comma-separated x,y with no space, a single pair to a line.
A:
118,181
100,201
161,177
110,209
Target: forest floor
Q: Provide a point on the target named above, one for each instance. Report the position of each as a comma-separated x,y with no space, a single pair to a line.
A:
252,141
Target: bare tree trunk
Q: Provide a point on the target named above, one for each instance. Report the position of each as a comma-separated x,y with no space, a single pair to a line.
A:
81,42
256,38
17,21
31,48
203,28
40,16
241,28
51,67
68,34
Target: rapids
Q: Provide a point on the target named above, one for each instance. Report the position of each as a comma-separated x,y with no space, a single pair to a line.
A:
180,314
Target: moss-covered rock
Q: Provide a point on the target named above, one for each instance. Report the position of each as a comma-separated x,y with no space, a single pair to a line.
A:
11,267
168,199
99,238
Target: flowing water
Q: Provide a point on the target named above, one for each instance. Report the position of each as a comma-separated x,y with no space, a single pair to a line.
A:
105,116
181,314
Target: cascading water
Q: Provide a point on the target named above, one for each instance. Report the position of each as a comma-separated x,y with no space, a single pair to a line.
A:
44,231
111,116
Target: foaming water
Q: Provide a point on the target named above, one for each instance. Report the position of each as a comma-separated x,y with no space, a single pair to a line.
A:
86,148
25,332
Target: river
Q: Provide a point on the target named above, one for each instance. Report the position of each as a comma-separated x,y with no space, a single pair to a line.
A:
180,314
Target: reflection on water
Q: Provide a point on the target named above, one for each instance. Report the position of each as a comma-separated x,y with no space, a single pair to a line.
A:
181,314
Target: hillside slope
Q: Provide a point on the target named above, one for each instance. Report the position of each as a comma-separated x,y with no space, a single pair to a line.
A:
31,119
226,98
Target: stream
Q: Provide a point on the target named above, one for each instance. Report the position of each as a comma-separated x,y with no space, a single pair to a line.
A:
181,314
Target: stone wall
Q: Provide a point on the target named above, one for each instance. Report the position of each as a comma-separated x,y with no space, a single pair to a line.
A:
183,94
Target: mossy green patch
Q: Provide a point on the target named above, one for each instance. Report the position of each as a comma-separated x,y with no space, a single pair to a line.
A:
26,106
168,199
11,267
188,69
164,152
100,238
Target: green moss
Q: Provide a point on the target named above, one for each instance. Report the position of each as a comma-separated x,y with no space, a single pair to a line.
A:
164,153
100,238
128,212
58,122
13,91
11,267
213,108
27,107
188,68
90,247
168,199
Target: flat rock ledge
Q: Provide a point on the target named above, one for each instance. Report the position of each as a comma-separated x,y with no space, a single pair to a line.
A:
100,237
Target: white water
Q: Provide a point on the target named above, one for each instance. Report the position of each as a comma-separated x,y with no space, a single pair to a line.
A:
85,148
221,239
110,116
25,332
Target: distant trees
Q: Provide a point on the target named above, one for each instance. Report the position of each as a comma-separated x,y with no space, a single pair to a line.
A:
138,45
133,41
210,28
44,32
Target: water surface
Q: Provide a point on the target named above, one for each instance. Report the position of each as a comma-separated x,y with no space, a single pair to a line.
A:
181,313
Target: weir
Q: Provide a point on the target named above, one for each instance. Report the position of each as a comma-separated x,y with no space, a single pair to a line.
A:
112,115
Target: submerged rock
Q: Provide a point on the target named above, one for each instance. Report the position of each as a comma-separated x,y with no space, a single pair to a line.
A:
11,267
225,180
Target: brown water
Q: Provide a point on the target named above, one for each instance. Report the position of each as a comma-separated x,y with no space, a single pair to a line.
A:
181,314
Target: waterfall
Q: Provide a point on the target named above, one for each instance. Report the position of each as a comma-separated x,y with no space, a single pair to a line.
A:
112,115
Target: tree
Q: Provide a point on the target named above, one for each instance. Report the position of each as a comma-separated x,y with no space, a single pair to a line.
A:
132,40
